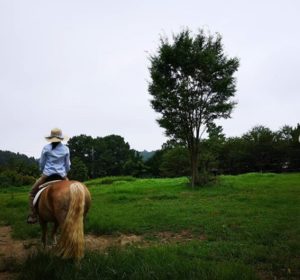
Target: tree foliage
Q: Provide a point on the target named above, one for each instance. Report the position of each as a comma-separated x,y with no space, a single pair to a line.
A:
192,85
17,169
175,162
105,156
258,150
79,171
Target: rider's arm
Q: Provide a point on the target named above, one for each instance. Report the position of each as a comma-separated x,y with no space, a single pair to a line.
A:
43,160
67,162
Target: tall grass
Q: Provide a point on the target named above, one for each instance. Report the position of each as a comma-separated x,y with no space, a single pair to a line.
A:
164,262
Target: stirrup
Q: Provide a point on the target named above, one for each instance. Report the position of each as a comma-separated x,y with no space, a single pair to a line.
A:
31,219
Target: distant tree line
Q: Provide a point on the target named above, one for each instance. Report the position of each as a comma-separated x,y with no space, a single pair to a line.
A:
103,156
17,169
258,150
90,158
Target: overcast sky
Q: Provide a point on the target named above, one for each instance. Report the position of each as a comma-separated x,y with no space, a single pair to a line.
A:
83,65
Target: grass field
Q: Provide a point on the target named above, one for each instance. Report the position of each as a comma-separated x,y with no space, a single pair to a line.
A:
243,227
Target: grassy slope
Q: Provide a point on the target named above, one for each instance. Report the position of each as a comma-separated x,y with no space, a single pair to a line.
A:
251,225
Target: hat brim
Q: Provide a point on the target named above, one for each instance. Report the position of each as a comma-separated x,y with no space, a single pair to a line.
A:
56,139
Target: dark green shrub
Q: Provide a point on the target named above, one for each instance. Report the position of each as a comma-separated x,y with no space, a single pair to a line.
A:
9,178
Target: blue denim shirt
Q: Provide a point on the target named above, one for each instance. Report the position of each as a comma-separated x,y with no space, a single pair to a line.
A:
55,161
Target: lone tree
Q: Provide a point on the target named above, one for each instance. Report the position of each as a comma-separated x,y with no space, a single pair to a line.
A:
192,85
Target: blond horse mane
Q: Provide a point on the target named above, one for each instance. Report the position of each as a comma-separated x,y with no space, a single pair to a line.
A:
71,242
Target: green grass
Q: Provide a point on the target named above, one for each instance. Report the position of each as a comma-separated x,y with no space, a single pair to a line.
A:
250,224
133,263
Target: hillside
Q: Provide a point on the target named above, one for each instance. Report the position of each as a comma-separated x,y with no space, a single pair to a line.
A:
147,155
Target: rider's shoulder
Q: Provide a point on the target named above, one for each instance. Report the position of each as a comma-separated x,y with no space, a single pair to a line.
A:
47,147
65,147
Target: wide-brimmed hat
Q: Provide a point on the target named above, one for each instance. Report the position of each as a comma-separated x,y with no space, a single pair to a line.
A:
56,136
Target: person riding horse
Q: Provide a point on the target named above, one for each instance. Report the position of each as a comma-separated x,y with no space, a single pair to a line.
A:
54,164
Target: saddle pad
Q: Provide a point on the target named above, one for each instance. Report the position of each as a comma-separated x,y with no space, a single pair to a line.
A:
38,195
42,188
48,183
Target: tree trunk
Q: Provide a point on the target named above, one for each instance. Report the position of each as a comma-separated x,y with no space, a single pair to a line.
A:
194,166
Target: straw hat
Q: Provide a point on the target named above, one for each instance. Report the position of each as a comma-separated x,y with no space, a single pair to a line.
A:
56,136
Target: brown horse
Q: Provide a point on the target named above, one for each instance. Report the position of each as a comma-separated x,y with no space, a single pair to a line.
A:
65,203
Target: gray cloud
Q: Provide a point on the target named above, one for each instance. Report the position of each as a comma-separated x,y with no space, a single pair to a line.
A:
82,65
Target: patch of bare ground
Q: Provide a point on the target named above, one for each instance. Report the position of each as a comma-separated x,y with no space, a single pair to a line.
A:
183,236
12,252
103,242
16,251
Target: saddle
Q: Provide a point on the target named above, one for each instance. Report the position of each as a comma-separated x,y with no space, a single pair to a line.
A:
42,188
